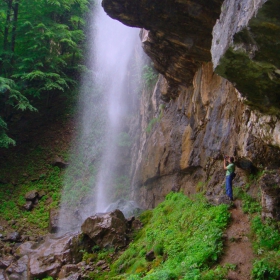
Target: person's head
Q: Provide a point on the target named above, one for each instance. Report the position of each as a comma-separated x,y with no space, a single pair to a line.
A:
231,159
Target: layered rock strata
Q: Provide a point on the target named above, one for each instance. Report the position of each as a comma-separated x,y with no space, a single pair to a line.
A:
185,148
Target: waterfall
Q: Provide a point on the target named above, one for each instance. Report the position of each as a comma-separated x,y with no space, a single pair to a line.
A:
105,103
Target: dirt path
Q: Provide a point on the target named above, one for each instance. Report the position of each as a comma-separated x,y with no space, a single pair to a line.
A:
238,248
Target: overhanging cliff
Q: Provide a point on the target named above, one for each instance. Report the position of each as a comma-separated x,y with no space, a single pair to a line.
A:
179,37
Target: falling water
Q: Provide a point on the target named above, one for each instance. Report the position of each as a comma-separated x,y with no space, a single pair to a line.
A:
104,104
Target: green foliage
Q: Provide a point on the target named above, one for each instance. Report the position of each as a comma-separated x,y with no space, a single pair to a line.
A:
13,98
186,236
149,76
263,270
249,204
41,52
267,246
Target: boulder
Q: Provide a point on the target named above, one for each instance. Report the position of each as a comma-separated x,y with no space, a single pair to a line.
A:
107,230
6,261
18,270
13,237
67,269
28,205
52,254
31,196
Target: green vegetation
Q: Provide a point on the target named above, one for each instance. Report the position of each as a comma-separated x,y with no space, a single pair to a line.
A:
249,204
186,236
12,200
149,76
265,237
267,246
41,53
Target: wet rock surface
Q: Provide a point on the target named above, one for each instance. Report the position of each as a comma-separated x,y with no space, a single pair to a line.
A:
61,256
107,230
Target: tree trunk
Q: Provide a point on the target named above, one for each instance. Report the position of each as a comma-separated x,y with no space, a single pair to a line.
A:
15,8
7,25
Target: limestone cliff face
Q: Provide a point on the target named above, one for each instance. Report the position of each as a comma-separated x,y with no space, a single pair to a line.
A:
204,115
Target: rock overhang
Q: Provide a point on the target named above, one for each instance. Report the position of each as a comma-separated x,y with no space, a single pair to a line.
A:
245,45
179,33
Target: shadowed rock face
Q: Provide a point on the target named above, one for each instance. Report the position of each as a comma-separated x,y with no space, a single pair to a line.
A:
245,50
179,37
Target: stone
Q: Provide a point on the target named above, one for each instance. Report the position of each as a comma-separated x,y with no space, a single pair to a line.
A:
51,255
3,275
28,205
15,276
75,276
67,269
18,269
107,230
31,196
13,237
150,256
5,261
100,263
25,248
59,162
41,194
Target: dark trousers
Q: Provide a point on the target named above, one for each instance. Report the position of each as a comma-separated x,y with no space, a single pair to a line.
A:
229,186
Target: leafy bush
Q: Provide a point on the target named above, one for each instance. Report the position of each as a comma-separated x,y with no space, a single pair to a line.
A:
267,245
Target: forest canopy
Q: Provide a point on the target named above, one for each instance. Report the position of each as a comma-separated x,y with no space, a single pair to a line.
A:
41,52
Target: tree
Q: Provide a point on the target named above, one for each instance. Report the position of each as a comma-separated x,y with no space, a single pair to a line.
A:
41,49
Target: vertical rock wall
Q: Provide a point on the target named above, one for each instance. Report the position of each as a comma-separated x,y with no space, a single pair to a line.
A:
185,147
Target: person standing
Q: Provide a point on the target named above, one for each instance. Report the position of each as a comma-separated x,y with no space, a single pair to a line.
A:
230,168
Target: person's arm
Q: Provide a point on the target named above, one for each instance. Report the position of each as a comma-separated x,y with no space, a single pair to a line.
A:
225,164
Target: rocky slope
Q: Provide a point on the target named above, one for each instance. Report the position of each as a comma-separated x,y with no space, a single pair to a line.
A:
204,115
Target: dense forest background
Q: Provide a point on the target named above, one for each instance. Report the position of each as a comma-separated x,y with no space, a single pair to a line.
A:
41,54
